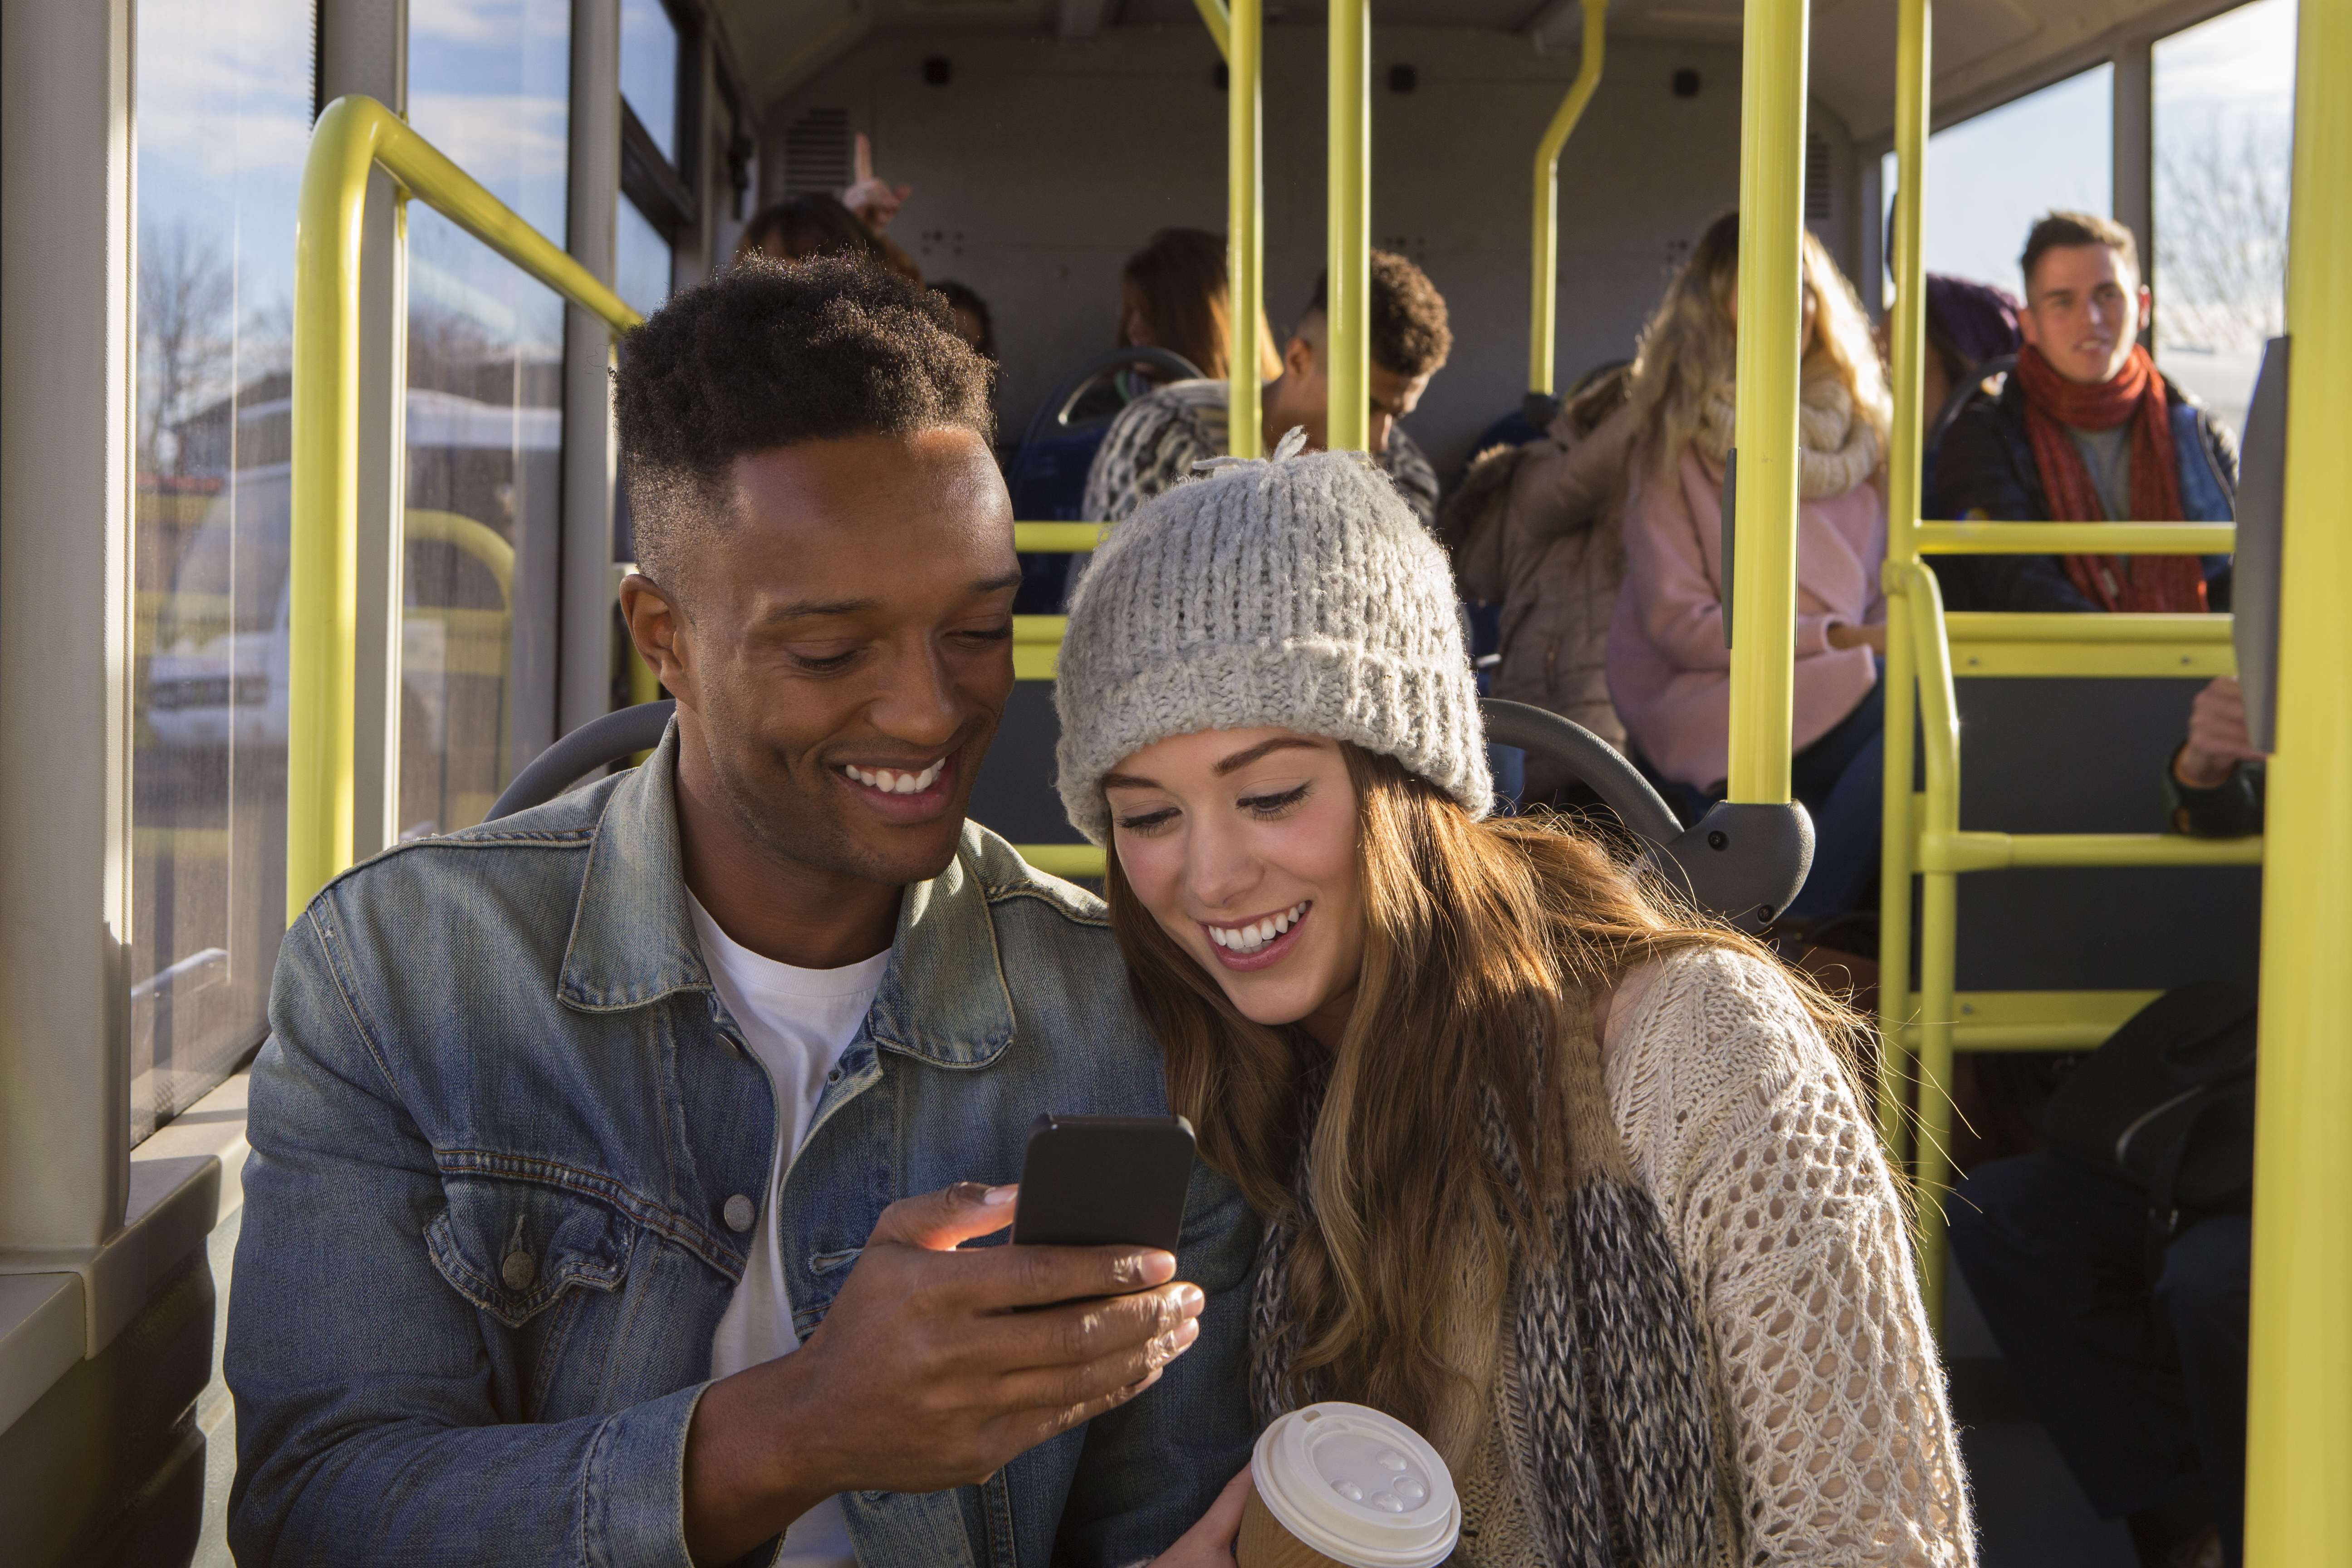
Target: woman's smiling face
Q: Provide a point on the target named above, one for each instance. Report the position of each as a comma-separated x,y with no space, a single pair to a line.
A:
1242,843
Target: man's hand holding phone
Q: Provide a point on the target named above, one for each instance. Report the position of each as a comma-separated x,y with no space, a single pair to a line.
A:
933,1367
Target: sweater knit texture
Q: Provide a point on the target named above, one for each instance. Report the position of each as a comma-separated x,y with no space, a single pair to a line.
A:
1834,1439
1159,440
1297,593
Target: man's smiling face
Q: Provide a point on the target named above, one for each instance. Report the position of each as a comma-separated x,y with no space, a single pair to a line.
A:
846,652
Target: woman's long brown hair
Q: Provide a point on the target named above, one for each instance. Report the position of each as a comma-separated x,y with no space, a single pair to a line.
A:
1486,944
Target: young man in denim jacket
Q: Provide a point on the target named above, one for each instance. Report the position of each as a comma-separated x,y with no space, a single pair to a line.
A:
519,1191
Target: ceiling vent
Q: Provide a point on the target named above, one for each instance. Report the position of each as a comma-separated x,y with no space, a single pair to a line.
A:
817,153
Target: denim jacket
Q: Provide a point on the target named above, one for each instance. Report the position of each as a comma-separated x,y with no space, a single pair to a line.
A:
496,1129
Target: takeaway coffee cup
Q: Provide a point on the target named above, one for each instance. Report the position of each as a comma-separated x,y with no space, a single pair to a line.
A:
1340,1486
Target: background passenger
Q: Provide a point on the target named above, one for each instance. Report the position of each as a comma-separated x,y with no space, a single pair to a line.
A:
582,1222
1155,442
814,224
1504,1114
2085,430
972,322
1538,530
1968,324
1669,671
1173,294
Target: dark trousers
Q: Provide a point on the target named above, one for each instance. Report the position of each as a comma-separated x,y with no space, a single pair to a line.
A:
1842,781
2139,1375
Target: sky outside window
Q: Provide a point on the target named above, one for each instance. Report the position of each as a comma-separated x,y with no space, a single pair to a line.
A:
649,70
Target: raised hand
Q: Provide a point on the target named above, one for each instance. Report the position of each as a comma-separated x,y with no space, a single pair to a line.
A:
874,201
933,1367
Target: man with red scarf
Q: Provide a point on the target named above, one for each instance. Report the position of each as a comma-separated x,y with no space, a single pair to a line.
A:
2085,429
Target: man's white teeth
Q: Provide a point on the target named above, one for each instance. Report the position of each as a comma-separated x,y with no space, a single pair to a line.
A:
897,781
1250,938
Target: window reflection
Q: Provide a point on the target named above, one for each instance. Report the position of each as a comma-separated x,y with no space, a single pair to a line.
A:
649,70
223,119
489,83
2224,139
641,270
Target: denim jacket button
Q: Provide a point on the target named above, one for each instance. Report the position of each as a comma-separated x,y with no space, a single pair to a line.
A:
739,1214
518,1268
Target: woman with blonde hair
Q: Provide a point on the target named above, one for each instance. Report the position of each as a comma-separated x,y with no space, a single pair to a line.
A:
1669,668
1576,1183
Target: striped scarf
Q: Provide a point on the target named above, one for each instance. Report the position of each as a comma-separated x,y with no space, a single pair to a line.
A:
1611,1359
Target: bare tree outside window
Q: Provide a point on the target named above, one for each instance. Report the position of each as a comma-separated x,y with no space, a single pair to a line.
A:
188,348
2221,249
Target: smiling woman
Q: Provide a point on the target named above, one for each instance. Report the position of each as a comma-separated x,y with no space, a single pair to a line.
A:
1553,1170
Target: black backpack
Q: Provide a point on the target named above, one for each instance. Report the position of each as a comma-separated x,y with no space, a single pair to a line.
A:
2167,1103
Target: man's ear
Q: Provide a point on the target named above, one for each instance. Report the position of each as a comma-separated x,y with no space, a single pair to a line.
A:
659,629
1299,360
2146,306
2029,327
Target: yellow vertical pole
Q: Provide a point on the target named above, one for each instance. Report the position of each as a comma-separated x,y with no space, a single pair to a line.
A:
2299,1418
323,587
1347,269
1544,279
1895,864
1939,725
1245,214
1898,847
1764,576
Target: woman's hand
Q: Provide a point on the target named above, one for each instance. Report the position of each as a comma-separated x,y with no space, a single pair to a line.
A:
1209,1543
875,201
1845,633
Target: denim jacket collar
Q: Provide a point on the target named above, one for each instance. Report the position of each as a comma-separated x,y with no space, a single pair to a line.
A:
633,941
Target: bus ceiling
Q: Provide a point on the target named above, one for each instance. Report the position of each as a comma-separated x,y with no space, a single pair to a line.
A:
1985,51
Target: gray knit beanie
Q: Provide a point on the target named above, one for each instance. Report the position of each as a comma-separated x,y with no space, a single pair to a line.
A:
1297,592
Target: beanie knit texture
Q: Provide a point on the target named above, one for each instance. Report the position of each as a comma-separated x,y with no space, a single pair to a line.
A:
1299,592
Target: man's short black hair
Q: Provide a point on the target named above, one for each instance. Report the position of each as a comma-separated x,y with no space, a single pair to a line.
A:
1410,335
2062,230
770,354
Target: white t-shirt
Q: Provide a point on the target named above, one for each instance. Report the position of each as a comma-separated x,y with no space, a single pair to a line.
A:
797,1022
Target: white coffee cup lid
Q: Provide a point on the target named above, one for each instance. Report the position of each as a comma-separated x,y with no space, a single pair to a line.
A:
1358,1486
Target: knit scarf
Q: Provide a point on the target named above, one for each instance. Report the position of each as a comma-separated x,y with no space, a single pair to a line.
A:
2136,393
1835,450
1613,1366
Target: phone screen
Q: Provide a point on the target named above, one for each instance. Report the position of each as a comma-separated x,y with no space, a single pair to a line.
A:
1104,1181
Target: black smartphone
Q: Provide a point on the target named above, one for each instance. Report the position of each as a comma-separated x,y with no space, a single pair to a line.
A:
1104,1181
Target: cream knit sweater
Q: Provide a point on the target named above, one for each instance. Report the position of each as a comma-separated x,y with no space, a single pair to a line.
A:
1834,1439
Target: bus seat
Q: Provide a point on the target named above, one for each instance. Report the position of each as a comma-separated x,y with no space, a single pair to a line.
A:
595,745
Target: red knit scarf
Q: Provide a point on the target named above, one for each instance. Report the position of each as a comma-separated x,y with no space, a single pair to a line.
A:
2146,582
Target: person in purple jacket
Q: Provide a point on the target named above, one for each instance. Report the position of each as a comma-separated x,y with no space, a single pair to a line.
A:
1669,669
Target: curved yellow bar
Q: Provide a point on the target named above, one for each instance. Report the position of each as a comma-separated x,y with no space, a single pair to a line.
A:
353,135
1058,538
1063,859
1764,564
1543,295
1220,25
2299,1417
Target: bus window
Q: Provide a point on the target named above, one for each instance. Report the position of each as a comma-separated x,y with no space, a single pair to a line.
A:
641,260
1990,176
223,115
649,66
490,83
2223,129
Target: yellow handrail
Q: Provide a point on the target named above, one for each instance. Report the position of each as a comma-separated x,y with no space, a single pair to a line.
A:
1221,26
353,135
2070,538
1543,295
1244,41
2299,1419
1348,264
1764,492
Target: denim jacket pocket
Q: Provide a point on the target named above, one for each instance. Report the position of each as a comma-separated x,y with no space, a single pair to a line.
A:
513,1247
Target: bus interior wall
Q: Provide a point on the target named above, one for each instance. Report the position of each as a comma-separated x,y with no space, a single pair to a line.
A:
1037,212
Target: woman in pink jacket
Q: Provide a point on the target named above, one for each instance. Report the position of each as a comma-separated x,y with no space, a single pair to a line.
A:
1669,672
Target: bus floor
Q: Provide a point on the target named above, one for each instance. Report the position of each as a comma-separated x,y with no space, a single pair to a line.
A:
2030,1513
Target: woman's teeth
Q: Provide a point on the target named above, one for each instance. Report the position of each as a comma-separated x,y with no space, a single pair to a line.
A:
1250,938
896,780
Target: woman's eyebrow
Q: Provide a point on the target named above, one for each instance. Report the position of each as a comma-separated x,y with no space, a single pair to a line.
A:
1239,760
1127,781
